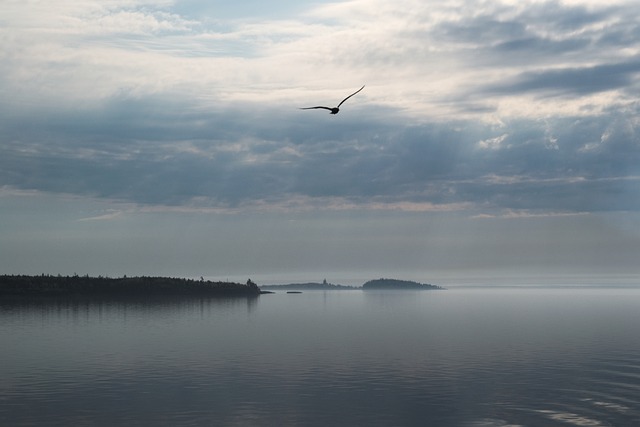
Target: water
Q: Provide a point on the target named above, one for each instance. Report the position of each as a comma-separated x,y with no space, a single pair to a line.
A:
460,357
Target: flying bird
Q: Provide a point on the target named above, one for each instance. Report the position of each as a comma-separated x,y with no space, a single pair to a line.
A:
334,110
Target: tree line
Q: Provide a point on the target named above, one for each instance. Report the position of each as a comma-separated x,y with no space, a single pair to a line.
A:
142,285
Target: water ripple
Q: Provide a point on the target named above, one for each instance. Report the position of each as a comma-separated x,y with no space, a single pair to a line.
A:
341,362
571,418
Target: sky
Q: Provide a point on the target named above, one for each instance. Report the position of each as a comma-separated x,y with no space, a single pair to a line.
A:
495,141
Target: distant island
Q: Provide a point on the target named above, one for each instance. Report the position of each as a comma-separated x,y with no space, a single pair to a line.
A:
393,284
66,286
309,286
378,284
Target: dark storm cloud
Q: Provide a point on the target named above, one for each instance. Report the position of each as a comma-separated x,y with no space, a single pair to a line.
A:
573,81
133,151
567,18
545,33
540,45
546,27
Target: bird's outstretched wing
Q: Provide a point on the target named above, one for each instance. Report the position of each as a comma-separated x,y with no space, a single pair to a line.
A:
350,96
313,108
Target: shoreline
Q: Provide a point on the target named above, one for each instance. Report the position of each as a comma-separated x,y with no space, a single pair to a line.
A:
142,286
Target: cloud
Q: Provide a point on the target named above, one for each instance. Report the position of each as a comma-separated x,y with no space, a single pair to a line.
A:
471,106
413,56
573,81
220,164
111,215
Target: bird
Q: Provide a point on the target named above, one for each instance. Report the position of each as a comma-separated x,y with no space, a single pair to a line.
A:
334,110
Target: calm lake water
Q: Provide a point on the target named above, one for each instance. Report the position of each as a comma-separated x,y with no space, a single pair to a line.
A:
458,357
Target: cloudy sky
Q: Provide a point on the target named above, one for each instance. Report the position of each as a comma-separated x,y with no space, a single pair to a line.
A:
494,140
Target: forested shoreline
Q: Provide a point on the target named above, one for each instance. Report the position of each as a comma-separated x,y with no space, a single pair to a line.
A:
48,285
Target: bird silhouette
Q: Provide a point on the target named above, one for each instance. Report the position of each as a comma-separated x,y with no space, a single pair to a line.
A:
333,110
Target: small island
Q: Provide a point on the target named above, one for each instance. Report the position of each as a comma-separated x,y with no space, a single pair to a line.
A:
309,286
85,286
394,284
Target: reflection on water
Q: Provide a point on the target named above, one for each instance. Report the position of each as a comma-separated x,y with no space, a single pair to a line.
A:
89,306
462,357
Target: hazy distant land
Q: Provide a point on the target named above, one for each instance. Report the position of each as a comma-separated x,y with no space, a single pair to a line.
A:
377,284
309,286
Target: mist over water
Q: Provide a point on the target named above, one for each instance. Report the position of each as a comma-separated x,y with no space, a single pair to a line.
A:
459,357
